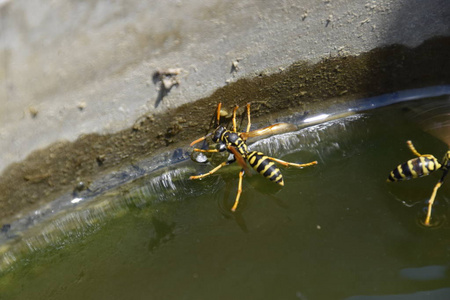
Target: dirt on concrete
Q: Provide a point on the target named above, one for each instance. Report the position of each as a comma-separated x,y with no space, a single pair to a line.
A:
47,173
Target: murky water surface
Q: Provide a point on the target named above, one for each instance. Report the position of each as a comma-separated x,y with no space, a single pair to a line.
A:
336,230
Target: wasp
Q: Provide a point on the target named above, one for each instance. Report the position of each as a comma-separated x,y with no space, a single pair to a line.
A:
422,165
235,143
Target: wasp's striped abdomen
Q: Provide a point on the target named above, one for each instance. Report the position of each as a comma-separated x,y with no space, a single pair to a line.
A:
265,166
414,168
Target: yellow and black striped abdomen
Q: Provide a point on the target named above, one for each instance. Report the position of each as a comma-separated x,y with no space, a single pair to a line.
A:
414,168
265,166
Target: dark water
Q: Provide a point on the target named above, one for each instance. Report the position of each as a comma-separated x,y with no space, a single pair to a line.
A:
336,230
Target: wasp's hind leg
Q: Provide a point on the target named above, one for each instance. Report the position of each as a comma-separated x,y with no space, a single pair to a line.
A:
415,152
412,148
288,164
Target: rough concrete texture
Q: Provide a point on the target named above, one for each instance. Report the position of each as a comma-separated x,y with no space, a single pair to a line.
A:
75,67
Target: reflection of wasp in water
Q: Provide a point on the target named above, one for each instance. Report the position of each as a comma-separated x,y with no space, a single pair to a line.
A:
435,121
235,143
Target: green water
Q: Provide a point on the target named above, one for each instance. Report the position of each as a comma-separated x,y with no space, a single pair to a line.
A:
336,230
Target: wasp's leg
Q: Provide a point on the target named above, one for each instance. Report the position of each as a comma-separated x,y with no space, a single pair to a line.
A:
414,151
219,106
239,191
210,172
287,164
234,117
207,150
430,203
433,196
412,148
199,139
248,117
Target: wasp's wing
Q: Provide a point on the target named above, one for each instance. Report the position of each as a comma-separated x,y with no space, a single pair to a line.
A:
240,160
269,130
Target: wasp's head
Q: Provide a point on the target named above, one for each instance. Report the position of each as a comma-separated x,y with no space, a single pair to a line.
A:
218,133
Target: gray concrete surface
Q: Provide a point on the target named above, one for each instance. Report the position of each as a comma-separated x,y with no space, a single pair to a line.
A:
74,67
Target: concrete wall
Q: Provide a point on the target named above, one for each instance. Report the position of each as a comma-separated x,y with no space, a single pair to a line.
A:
74,67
